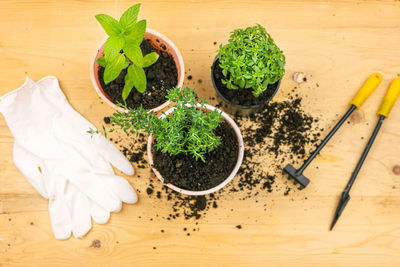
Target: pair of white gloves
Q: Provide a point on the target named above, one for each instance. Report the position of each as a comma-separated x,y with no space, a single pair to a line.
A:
63,162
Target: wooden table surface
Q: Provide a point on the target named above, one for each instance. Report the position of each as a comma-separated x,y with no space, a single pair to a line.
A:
337,44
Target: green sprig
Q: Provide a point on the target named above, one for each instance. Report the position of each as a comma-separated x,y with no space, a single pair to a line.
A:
187,129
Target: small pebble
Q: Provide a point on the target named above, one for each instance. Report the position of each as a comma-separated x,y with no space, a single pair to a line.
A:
299,77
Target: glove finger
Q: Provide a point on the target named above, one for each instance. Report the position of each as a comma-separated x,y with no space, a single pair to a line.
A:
97,191
79,206
30,165
99,215
112,154
121,188
59,212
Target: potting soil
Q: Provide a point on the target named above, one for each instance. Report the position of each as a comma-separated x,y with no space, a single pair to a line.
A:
185,172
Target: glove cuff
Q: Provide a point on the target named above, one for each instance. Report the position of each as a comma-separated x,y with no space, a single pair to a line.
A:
9,98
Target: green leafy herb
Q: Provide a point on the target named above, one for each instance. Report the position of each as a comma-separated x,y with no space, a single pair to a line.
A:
137,33
101,61
129,17
114,68
112,47
134,53
150,59
109,24
188,129
251,59
122,50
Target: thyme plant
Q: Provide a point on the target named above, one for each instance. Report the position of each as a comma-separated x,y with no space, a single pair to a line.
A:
187,130
251,59
122,50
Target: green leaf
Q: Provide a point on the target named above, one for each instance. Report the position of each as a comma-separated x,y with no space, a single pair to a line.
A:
114,68
109,24
113,46
139,77
150,59
102,61
128,84
240,82
128,19
134,53
127,63
137,34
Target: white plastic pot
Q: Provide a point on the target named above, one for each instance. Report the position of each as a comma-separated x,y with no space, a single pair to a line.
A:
153,36
232,124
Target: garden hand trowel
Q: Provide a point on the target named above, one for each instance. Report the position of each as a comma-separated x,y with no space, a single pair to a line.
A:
383,112
366,90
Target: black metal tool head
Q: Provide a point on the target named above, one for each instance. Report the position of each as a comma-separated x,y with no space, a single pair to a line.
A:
297,176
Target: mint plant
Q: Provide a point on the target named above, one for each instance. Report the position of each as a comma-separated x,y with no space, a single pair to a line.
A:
188,129
251,59
122,50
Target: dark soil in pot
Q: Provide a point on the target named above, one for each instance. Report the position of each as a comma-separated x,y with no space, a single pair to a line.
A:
161,76
187,173
241,96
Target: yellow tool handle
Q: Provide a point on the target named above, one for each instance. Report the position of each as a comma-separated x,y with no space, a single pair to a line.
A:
390,98
366,90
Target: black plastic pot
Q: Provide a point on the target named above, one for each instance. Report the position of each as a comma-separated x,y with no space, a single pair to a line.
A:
236,109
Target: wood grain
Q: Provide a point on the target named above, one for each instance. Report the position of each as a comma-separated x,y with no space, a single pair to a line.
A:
337,44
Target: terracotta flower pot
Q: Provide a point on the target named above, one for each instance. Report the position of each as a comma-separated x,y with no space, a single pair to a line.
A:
236,129
153,36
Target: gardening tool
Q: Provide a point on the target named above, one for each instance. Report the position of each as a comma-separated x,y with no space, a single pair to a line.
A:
62,161
383,112
362,95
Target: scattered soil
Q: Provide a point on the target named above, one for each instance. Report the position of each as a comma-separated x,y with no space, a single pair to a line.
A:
242,96
149,191
161,76
107,120
283,133
134,152
188,173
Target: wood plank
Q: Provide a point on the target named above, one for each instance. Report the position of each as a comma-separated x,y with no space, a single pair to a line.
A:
337,44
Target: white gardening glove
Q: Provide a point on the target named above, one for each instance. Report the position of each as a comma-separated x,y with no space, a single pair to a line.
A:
75,173
73,210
